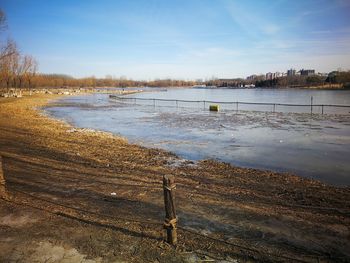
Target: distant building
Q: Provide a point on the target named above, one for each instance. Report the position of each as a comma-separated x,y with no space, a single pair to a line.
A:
255,77
271,76
291,72
307,72
322,74
278,74
252,77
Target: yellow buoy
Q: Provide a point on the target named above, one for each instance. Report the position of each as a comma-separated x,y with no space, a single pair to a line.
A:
214,107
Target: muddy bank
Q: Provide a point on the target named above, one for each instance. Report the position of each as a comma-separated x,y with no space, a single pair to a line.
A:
56,201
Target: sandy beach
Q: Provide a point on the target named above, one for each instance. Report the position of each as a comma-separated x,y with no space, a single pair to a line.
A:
56,203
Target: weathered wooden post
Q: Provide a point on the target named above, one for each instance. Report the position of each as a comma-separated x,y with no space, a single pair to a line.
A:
2,179
3,192
170,211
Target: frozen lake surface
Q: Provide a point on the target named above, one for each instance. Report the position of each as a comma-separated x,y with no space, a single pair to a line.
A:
315,146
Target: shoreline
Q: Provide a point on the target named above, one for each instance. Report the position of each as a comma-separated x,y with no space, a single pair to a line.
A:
55,161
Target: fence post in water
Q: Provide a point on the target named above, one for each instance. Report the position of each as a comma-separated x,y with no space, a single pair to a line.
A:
170,212
154,102
203,104
311,103
274,107
237,106
322,109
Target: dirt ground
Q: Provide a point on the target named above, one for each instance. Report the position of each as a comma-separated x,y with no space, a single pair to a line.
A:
56,203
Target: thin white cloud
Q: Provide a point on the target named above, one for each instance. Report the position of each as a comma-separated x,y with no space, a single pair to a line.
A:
250,22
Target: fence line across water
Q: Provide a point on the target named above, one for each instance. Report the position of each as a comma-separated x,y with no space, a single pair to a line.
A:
310,106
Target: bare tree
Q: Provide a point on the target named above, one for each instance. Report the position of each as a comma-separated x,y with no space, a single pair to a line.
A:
8,55
6,49
9,63
3,24
32,67
15,69
22,69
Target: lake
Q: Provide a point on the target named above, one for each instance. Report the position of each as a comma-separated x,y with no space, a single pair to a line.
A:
288,140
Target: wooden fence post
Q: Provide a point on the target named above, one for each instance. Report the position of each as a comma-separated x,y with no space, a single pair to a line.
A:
170,211
2,179
312,98
3,192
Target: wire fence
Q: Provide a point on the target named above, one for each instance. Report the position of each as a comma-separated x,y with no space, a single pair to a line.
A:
239,105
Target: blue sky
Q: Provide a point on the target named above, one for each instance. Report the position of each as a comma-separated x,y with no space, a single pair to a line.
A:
185,39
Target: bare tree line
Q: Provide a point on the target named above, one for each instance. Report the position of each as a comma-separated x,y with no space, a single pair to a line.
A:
16,70
62,81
